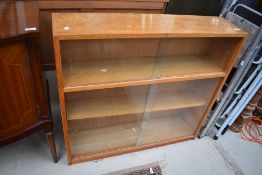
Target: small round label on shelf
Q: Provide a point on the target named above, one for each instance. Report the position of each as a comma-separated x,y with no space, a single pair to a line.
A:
104,70
66,27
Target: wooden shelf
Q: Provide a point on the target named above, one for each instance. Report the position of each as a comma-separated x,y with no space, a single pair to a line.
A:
84,108
89,75
106,106
101,139
110,73
130,135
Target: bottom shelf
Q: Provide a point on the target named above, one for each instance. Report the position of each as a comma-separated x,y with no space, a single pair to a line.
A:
156,127
103,139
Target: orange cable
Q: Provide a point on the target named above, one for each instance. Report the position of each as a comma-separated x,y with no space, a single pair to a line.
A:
252,130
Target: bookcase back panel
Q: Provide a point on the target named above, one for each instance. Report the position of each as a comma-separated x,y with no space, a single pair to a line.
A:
95,50
214,50
184,46
86,50
223,49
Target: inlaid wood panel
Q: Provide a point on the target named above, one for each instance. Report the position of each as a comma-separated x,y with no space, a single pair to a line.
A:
18,101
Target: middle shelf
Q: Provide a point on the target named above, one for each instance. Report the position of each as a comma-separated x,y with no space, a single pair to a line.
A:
139,99
120,72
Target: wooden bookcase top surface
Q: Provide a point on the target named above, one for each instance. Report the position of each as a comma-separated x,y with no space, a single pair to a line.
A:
116,25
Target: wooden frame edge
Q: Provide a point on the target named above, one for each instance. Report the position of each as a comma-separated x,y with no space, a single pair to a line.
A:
85,157
62,97
147,36
232,60
142,82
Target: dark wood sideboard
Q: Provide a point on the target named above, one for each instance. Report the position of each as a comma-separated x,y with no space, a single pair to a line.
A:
24,107
44,8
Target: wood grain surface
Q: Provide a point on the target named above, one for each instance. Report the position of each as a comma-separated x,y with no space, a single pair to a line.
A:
113,25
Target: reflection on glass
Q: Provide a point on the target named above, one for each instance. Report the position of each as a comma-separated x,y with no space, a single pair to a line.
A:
95,62
117,118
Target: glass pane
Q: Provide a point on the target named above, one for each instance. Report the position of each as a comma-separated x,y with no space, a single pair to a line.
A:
110,119
103,134
187,57
92,62
174,110
103,120
100,62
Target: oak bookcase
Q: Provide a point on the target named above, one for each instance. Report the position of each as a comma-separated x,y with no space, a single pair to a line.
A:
129,82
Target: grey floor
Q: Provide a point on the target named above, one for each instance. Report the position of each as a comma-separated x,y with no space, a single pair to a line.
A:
228,156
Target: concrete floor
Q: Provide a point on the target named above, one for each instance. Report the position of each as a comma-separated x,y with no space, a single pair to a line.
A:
228,156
